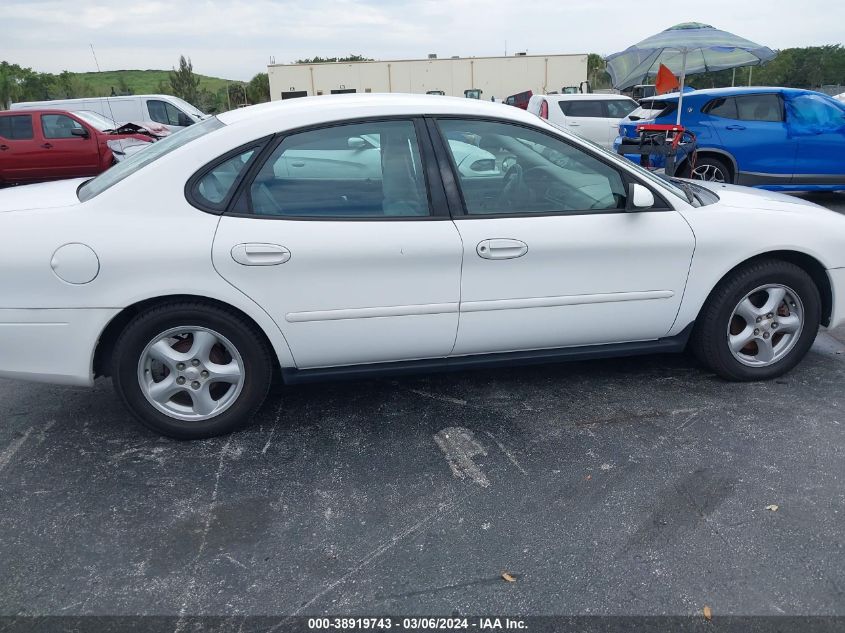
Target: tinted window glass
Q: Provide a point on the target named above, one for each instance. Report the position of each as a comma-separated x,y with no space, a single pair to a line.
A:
582,108
723,107
759,108
16,128
214,187
652,109
59,126
156,150
536,173
816,113
366,170
620,109
163,112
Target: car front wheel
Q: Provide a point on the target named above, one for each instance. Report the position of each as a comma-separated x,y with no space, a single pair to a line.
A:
191,370
759,322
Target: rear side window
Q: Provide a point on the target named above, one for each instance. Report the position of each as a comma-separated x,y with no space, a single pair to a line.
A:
59,126
215,186
17,127
364,170
589,109
759,108
723,107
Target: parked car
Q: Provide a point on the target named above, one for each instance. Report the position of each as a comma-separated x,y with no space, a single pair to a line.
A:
520,100
777,138
37,145
167,110
594,117
196,269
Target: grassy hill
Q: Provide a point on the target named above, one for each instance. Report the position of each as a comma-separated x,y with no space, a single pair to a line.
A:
140,81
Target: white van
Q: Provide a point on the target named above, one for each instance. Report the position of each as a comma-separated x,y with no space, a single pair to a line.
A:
592,116
170,111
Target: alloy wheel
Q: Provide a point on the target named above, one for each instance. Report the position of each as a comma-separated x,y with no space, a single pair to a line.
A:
765,325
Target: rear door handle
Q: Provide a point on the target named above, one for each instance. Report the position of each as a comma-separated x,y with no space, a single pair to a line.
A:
47,146
735,127
500,248
3,148
255,254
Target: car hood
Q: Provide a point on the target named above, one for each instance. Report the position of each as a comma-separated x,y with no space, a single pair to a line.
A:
45,195
748,197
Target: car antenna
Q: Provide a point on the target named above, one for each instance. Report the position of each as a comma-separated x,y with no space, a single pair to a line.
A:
108,100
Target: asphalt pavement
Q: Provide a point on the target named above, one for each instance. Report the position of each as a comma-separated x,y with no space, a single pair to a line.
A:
638,486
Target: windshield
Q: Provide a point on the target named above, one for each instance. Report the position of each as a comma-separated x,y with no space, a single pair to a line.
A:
649,110
187,107
97,121
149,154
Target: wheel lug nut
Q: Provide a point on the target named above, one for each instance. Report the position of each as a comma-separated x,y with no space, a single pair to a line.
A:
756,330
774,325
195,362
769,315
180,380
766,335
759,319
195,385
204,374
180,366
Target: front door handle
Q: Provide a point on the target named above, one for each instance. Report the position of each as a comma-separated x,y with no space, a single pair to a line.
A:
734,127
500,248
47,145
3,148
254,254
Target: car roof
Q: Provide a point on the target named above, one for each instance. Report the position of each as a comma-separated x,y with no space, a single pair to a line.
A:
593,96
306,111
728,92
26,111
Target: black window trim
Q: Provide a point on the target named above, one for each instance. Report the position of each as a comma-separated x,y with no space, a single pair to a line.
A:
456,197
240,206
192,185
778,95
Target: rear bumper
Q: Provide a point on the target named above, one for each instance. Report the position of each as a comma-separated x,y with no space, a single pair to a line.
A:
837,284
55,346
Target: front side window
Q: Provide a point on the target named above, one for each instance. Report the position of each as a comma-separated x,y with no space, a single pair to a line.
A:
536,173
590,109
759,108
620,109
59,126
362,170
16,128
813,113
163,112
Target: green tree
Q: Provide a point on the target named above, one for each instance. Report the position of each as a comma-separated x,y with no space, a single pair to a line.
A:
258,88
597,71
324,60
184,82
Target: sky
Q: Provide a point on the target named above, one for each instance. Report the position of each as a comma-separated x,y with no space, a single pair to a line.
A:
237,39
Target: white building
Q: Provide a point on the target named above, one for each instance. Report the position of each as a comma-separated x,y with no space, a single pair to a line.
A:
497,77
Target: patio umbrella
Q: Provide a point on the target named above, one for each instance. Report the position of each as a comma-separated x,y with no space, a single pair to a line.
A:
690,48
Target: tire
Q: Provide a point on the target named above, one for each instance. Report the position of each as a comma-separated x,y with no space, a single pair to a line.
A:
721,322
191,370
710,169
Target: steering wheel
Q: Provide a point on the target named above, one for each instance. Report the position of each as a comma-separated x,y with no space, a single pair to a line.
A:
514,188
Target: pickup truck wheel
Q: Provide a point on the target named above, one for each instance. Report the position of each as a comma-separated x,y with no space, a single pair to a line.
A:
190,370
759,322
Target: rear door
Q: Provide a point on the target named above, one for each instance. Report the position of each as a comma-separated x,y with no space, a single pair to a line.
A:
818,123
20,151
355,258
586,118
752,128
614,111
66,155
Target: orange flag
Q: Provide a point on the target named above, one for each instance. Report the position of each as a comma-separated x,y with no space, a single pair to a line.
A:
666,81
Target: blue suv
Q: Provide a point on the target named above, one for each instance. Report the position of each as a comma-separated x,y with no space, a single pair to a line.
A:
774,138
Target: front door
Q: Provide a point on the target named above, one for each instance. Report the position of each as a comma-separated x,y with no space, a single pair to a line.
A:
335,237
67,155
552,258
819,125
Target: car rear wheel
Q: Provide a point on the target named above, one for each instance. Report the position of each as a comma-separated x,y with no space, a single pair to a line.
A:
191,370
759,322
710,169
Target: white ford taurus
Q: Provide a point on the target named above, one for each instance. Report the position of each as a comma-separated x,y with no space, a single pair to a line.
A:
349,235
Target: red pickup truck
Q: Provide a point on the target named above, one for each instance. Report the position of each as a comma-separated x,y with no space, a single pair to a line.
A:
37,145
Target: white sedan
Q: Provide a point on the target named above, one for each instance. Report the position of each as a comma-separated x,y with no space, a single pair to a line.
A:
195,270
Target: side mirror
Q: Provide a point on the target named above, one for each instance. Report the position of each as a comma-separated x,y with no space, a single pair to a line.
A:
639,197
356,142
79,131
